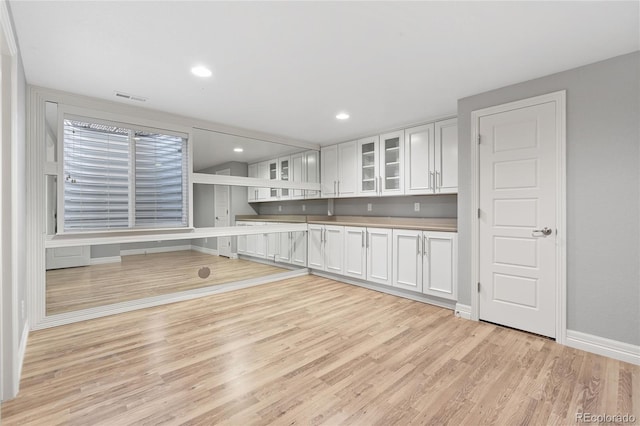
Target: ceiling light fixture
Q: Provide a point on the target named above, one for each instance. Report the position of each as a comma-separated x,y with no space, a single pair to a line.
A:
238,149
342,116
201,71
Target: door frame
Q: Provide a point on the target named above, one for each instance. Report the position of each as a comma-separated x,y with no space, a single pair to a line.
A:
225,172
559,98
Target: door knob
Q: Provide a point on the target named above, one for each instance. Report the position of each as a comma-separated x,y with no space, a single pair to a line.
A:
544,232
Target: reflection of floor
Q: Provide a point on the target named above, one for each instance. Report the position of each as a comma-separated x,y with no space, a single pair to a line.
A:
309,350
143,275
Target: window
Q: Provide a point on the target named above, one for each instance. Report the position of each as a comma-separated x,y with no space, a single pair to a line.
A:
117,176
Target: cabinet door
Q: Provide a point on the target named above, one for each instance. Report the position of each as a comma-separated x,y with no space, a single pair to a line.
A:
329,175
252,192
284,170
315,244
407,259
252,241
272,241
355,253
347,169
440,264
242,240
368,164
446,156
284,247
274,174
297,174
261,243
311,169
263,173
379,255
392,163
299,248
334,248
419,163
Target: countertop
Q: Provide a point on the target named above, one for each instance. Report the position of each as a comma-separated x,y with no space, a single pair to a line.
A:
425,224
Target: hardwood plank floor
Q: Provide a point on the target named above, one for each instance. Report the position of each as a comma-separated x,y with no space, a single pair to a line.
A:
311,351
144,275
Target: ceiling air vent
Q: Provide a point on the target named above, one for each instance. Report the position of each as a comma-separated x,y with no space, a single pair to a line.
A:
130,97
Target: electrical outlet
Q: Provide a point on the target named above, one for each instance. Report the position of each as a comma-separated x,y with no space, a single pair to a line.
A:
279,208
206,240
416,207
368,207
304,207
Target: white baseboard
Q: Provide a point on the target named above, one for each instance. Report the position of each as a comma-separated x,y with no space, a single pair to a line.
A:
22,349
102,260
233,256
462,311
150,250
603,346
205,250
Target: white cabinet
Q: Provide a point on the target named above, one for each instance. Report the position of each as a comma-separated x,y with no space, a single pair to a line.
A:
297,173
299,248
379,255
312,171
252,192
381,165
325,247
426,262
431,158
262,193
284,169
446,156
339,166
355,252
368,165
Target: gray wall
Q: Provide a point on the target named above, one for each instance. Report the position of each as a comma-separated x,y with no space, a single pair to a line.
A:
603,198
312,207
204,199
105,250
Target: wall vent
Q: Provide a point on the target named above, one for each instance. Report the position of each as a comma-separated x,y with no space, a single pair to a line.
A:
130,97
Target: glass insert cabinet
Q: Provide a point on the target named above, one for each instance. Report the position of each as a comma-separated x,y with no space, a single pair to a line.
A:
380,164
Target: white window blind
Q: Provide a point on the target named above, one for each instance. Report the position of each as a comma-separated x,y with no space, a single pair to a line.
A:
118,178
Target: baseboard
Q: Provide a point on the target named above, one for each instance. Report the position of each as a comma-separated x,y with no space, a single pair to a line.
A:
102,260
151,250
463,311
233,256
205,250
22,349
384,289
602,346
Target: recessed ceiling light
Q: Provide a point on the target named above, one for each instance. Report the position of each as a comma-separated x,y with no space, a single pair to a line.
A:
201,71
342,116
238,149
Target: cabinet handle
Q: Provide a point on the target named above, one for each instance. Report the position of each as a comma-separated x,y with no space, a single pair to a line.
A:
418,245
334,188
424,245
381,187
362,238
376,184
367,239
439,180
338,188
432,180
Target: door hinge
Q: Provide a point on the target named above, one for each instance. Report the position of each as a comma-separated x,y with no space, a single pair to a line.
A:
478,213
478,287
478,139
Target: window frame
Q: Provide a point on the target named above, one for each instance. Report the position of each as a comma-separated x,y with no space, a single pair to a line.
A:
66,112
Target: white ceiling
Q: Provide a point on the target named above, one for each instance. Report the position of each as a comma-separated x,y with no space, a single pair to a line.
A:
287,68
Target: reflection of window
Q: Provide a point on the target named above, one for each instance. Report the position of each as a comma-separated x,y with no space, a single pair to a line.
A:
116,177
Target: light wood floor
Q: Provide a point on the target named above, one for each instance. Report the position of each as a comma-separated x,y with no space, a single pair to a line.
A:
309,351
145,275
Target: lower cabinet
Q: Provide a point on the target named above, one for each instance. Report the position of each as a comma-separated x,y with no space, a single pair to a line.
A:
426,261
367,254
284,247
355,252
326,248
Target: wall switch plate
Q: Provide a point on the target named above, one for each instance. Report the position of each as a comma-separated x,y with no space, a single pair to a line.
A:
368,207
304,207
416,207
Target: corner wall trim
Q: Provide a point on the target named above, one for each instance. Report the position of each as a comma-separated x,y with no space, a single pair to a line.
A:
102,260
602,346
462,311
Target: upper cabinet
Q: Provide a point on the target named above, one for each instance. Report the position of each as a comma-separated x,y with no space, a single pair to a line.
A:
431,158
419,160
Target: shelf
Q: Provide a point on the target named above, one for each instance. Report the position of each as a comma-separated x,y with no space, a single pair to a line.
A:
368,153
393,177
368,180
369,166
395,148
393,163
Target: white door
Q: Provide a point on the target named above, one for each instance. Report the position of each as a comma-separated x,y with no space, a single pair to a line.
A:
315,237
221,211
334,249
299,248
392,163
446,156
355,253
329,176
517,225
379,255
418,153
68,257
347,165
407,259
440,267
368,162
